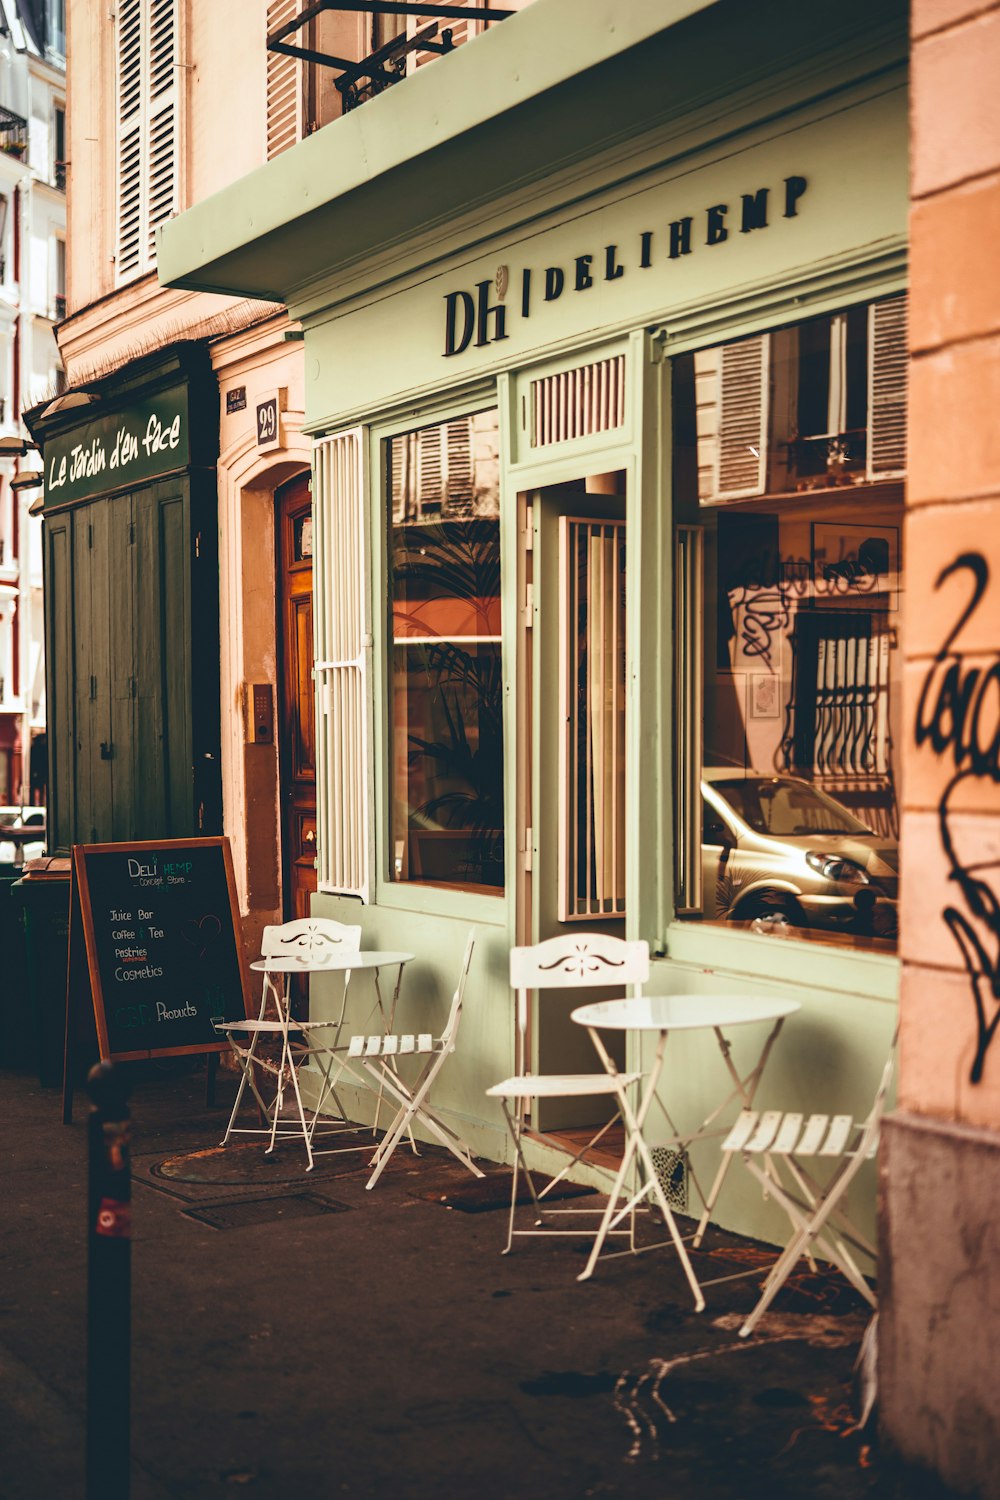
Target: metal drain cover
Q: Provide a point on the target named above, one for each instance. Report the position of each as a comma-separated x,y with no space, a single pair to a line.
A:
242,1212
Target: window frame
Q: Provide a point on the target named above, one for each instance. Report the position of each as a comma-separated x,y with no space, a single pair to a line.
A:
415,895
713,948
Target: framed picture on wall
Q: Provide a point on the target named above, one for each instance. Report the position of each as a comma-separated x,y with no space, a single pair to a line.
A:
856,566
765,696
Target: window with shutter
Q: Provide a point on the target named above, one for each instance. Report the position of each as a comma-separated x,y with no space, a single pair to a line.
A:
788,670
741,451
342,649
148,109
887,371
284,85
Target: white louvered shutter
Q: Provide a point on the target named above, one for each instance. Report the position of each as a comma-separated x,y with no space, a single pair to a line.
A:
130,116
148,110
343,648
888,359
284,84
743,412
461,31
163,112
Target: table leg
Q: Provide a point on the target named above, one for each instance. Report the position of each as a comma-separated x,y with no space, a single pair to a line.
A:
636,1146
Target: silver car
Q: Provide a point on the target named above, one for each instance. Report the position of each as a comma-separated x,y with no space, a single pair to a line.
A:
776,846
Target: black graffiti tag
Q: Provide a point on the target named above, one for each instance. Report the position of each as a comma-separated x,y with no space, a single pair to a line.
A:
768,588
958,713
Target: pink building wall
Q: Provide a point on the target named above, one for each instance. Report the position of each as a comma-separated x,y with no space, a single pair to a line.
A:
940,1166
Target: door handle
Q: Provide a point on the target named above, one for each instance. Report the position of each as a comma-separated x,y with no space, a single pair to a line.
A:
107,751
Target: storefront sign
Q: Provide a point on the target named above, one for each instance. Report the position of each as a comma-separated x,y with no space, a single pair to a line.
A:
128,447
479,317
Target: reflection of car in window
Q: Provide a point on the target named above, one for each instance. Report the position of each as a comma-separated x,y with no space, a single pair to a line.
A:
778,846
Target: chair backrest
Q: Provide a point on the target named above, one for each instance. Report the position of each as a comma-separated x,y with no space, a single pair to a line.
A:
868,1142
309,937
450,1031
578,960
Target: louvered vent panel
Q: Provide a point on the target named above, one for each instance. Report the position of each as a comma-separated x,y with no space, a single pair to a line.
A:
283,85
577,403
161,47
129,58
129,201
888,367
341,666
742,446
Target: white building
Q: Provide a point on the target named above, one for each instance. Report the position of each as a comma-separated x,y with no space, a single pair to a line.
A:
32,300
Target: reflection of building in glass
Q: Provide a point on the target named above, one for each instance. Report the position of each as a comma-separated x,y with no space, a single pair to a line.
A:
447,702
818,404
447,470
794,442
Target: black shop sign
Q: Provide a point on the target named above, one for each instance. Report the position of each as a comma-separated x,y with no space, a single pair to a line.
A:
126,447
477,317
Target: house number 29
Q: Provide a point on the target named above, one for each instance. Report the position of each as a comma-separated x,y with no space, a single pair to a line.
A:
267,421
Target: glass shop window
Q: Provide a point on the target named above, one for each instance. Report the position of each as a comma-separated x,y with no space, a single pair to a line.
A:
447,783
789,455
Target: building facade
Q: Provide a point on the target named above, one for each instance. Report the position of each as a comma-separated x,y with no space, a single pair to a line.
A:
606,385
166,489
640,603
32,301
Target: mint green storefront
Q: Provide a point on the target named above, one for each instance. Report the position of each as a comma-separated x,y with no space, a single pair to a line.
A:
545,224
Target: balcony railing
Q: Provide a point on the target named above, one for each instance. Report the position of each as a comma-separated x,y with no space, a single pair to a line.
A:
13,133
371,75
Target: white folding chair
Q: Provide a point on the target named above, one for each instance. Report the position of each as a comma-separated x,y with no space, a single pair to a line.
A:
584,960
773,1143
380,1055
309,942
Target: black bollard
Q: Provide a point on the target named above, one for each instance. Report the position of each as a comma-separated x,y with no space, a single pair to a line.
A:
109,1285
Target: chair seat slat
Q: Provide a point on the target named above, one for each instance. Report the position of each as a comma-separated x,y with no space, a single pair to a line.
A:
812,1136
840,1128
784,1141
767,1129
741,1131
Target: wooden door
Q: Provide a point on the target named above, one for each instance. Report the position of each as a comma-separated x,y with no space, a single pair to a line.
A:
296,723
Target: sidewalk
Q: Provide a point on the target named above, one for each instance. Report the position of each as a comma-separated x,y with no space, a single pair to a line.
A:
336,1342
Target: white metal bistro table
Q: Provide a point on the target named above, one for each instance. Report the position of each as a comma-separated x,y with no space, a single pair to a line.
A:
662,1014
296,1037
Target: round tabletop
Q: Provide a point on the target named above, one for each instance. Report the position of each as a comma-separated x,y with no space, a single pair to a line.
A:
682,1012
336,963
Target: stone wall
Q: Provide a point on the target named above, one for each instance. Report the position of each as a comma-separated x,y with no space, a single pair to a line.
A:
939,1405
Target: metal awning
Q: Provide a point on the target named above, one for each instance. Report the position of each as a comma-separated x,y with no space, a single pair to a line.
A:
550,89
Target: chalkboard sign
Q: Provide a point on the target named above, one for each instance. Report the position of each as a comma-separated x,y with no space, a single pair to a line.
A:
159,924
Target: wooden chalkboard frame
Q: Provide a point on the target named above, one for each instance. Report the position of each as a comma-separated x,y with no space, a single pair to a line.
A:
83,967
